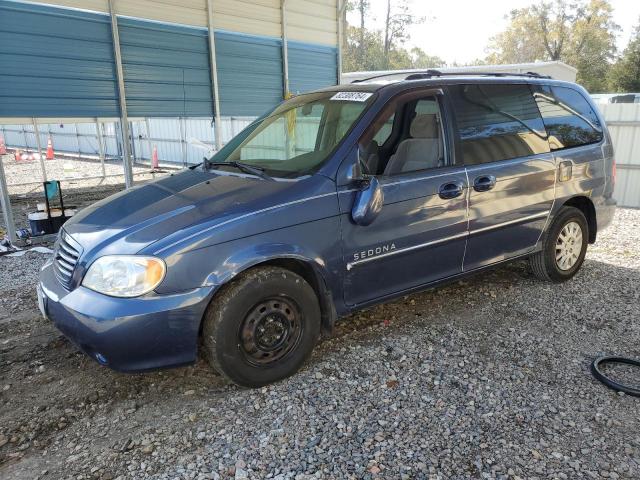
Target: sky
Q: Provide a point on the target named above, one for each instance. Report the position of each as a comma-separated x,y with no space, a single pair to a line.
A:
459,30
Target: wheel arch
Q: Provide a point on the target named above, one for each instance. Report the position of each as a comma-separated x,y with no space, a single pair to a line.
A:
307,269
586,206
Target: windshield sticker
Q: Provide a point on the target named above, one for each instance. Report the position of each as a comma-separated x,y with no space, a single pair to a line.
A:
351,96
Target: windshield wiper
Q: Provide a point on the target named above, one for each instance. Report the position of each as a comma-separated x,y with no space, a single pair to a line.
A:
243,167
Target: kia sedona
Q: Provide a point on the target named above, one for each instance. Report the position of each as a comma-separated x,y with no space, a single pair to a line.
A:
334,201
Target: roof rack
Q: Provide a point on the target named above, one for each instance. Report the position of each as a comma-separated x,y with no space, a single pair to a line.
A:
431,73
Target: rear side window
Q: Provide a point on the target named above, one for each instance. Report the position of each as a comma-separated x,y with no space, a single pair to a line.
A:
497,122
568,117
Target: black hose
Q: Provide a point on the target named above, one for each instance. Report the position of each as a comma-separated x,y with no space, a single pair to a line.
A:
595,370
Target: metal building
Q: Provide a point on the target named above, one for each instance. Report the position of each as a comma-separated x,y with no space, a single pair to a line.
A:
623,122
117,59
92,73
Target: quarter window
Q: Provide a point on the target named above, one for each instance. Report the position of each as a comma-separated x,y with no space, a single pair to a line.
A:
497,122
568,117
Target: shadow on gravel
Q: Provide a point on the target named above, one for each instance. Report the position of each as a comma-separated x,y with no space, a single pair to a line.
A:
47,387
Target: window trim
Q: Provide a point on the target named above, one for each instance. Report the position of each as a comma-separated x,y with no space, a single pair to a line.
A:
458,137
538,89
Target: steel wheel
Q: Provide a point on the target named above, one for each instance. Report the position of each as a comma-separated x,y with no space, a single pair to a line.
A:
569,246
270,331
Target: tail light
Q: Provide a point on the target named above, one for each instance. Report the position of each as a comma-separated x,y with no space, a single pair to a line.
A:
613,173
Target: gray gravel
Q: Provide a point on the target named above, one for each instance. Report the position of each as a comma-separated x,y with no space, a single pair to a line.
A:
485,378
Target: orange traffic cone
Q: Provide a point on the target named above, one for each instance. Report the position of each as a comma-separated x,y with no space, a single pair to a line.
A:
3,147
50,154
154,158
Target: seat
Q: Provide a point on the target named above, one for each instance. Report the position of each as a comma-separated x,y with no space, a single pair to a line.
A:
421,151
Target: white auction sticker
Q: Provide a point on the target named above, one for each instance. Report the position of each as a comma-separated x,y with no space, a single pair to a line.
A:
352,96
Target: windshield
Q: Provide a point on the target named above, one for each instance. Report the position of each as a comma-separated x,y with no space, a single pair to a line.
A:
299,135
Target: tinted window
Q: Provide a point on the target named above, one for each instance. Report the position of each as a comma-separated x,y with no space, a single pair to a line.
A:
497,122
569,118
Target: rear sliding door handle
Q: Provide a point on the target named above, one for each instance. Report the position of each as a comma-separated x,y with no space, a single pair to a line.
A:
451,190
484,183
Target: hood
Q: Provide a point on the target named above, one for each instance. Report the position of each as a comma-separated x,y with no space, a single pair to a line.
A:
129,221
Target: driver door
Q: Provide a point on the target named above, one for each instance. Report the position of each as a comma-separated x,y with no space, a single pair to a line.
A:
420,234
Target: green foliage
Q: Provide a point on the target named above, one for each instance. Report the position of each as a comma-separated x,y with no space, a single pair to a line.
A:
580,33
384,49
624,77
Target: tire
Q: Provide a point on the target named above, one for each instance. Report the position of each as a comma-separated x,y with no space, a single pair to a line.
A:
261,327
544,263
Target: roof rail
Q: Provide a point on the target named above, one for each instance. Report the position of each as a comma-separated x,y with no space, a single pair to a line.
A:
438,73
431,73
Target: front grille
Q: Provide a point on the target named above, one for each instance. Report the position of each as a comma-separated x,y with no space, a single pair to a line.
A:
65,258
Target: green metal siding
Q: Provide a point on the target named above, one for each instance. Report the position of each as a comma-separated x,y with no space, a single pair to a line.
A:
311,66
55,62
249,72
166,69
59,62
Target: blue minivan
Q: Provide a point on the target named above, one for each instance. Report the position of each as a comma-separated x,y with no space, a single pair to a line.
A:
336,200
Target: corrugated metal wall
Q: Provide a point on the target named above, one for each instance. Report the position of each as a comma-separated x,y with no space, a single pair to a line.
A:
312,21
55,62
169,135
257,17
59,62
311,66
249,73
166,69
623,121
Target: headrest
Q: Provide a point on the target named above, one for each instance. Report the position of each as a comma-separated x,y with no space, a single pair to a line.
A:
424,126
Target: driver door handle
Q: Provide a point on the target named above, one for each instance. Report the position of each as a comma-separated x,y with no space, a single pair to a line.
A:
484,183
451,190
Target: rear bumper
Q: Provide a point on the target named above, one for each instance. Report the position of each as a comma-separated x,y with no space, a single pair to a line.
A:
127,334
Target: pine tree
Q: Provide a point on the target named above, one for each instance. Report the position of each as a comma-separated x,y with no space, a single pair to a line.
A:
625,75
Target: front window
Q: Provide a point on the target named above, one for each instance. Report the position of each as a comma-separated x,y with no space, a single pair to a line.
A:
299,135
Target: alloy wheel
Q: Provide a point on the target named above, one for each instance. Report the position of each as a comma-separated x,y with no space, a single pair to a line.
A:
569,246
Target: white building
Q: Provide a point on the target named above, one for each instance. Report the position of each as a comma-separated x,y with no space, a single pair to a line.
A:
557,70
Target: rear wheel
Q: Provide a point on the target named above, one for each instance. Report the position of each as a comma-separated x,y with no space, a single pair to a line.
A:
564,247
262,326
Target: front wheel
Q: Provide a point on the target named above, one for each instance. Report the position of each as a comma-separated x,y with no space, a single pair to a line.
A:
564,247
261,327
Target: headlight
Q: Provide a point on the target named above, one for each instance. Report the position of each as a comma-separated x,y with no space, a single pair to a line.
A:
124,275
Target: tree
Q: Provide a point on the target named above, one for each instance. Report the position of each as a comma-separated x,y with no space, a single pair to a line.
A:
362,7
369,55
420,59
581,34
367,49
396,26
625,74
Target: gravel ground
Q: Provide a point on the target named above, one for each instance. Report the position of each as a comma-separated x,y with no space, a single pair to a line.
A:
79,192
484,378
78,169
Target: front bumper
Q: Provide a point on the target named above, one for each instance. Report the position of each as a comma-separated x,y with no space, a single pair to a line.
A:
127,334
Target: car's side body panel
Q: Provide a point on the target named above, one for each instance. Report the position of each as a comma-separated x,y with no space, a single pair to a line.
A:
507,220
417,238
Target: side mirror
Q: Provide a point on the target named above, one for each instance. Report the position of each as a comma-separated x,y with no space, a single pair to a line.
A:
369,201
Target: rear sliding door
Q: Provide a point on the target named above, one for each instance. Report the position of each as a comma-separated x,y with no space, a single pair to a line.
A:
511,171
